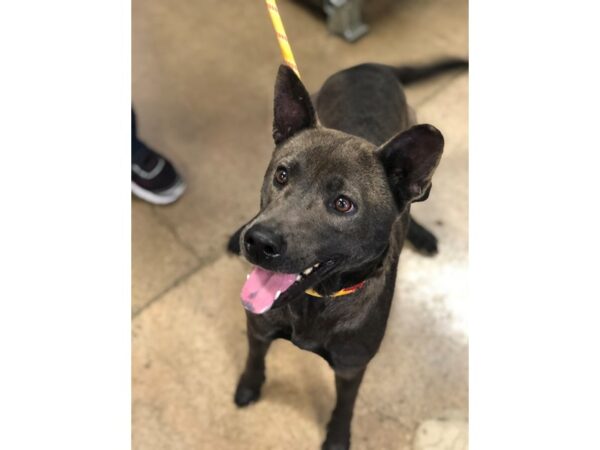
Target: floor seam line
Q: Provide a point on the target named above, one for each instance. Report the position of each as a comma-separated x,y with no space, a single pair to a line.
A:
203,262
164,222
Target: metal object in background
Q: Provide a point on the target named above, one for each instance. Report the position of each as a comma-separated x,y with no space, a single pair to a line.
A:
344,17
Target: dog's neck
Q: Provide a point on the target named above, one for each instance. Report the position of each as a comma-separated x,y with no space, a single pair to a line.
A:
352,277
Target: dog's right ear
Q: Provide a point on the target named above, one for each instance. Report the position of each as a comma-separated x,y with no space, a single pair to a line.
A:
293,110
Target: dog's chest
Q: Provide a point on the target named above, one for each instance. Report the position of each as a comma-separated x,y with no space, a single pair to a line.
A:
307,343
309,329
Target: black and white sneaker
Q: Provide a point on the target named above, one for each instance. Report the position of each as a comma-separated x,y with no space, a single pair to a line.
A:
153,177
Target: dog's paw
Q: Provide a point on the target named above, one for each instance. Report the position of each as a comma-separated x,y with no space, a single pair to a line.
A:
233,245
425,243
423,240
244,395
248,388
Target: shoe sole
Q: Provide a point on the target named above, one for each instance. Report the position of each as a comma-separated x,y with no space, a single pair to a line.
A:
164,198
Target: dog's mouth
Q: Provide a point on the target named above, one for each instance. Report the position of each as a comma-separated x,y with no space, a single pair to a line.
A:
264,289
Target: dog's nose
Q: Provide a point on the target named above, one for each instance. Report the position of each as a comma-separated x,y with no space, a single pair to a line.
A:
262,242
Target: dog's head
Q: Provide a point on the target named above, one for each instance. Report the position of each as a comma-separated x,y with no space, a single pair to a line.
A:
329,199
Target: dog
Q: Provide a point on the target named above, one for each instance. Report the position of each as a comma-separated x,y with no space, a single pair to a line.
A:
334,215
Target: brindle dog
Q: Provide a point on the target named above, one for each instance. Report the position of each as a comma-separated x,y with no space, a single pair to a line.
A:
334,213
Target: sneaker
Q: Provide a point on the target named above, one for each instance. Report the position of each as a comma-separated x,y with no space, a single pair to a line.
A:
154,179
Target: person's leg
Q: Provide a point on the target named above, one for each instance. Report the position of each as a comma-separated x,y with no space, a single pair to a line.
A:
153,177
135,142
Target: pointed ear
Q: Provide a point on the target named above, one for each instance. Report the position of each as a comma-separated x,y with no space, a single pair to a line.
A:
293,108
409,159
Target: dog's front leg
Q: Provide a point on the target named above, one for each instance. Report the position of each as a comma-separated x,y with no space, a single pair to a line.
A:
347,382
253,377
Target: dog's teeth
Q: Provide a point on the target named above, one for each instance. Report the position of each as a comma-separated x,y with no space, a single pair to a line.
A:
247,276
316,265
277,294
298,278
308,271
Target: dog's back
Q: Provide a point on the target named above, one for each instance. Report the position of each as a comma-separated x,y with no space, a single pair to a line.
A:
365,100
368,100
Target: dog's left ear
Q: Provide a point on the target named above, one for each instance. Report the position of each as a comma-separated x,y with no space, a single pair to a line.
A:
409,159
293,108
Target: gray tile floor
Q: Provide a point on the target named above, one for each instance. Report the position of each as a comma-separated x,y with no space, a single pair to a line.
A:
203,75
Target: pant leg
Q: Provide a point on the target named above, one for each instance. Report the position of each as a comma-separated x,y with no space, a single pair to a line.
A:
136,144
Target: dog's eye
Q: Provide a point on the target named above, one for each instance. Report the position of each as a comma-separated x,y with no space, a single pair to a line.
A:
281,175
343,204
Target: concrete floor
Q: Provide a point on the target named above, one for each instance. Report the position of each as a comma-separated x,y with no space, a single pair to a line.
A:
203,73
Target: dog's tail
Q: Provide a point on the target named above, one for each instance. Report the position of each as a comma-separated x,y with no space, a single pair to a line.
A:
408,74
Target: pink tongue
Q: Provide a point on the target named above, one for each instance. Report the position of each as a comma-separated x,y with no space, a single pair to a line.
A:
259,290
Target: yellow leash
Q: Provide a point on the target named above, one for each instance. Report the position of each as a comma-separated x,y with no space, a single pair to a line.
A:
284,44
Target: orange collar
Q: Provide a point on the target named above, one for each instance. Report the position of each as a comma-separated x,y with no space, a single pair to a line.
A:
344,291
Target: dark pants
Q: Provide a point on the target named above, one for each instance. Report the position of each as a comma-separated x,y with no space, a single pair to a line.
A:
137,146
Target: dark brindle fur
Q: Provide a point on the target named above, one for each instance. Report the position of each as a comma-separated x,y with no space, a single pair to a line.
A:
364,145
